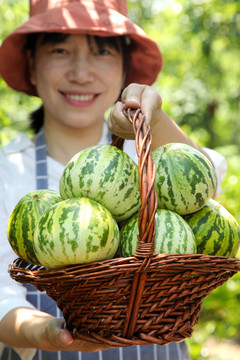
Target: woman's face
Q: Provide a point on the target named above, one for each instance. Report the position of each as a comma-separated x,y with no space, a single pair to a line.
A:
76,79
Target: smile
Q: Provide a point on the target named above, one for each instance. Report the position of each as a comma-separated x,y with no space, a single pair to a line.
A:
79,97
79,100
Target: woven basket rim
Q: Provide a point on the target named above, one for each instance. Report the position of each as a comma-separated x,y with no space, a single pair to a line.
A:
200,262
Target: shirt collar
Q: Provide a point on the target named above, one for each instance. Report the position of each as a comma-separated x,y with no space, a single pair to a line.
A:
21,142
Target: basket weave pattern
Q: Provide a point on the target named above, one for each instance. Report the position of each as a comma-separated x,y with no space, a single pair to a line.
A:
144,299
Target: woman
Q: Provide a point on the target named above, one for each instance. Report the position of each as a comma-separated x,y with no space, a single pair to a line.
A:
79,58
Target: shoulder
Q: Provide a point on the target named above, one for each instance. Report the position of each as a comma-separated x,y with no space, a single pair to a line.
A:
16,152
18,144
16,160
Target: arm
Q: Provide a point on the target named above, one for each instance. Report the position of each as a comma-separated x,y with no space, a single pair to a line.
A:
163,129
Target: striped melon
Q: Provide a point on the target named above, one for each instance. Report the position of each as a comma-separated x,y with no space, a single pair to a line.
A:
185,178
216,230
173,235
105,174
75,231
24,218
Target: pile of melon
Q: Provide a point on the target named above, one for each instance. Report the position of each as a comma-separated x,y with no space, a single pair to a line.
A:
94,216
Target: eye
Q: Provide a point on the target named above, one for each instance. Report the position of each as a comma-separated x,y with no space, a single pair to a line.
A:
59,51
104,51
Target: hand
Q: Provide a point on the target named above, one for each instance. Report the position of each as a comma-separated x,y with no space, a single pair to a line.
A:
31,328
52,335
135,96
164,130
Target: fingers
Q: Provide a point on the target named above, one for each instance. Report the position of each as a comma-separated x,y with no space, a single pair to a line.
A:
151,104
118,124
136,96
131,95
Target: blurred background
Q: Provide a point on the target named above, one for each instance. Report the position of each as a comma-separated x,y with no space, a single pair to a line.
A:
200,88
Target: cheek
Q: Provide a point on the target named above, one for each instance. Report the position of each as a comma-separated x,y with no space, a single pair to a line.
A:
115,77
45,76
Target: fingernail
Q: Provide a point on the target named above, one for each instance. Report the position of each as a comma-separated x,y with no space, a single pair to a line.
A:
132,99
64,338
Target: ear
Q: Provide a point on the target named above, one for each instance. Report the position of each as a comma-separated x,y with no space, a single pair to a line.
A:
31,67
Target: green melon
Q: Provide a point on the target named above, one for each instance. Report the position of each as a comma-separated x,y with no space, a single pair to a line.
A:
75,231
173,235
105,174
216,230
23,221
185,178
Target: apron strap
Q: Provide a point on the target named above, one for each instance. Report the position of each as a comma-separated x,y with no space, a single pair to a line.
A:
41,161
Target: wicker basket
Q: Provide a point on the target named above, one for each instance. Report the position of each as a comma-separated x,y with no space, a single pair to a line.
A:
144,299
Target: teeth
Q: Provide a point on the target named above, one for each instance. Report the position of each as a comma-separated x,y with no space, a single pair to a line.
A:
80,97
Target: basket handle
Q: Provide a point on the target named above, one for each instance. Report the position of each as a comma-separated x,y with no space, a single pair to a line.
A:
147,174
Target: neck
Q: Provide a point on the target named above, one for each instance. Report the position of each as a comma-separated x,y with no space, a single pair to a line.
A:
64,142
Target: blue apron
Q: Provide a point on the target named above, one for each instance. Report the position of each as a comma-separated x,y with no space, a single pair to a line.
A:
172,351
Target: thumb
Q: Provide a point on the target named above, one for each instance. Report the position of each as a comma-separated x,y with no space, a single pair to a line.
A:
59,334
64,337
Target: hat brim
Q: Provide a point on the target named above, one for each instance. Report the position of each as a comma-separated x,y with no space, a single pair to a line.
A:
145,57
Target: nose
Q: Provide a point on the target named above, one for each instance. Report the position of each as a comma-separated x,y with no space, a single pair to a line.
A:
81,69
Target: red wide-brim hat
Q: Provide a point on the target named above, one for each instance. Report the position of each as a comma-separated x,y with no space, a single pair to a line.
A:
93,17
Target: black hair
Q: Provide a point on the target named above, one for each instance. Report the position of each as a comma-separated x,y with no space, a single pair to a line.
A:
119,43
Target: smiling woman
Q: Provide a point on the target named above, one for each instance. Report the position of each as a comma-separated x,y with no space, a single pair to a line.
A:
72,72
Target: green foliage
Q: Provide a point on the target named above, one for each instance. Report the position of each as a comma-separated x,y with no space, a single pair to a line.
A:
14,106
200,43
